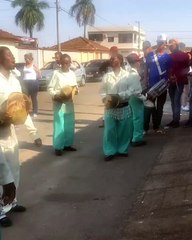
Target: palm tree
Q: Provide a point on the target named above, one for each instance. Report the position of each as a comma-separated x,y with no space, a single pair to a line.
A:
30,15
84,12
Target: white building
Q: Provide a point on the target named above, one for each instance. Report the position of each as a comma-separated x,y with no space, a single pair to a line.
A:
127,39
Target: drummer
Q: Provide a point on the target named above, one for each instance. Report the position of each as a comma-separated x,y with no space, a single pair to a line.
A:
118,118
158,64
64,116
9,149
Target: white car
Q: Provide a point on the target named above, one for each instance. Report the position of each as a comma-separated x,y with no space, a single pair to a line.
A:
47,72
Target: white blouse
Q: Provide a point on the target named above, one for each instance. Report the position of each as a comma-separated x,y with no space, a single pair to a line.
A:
29,73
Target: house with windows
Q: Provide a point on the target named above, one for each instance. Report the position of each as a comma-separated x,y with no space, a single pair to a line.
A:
127,39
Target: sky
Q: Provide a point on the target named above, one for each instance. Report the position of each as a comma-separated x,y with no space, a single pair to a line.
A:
172,17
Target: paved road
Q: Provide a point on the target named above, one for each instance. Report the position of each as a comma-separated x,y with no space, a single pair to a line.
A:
78,196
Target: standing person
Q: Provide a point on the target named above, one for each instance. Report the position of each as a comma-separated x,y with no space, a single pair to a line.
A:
136,104
31,74
158,65
9,151
118,117
64,116
57,58
185,95
106,67
178,79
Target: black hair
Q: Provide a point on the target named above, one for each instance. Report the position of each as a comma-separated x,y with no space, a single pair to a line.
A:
2,51
66,56
119,56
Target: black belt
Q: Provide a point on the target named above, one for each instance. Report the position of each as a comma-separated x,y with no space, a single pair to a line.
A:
121,105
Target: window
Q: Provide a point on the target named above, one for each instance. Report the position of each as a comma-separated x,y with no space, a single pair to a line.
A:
125,37
110,39
96,37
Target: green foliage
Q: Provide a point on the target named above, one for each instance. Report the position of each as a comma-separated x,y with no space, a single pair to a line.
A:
30,15
84,12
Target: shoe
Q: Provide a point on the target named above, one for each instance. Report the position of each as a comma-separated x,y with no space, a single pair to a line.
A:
18,208
58,152
70,149
188,124
6,222
109,158
138,144
185,108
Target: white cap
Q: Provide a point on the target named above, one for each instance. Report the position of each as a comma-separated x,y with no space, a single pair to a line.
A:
162,37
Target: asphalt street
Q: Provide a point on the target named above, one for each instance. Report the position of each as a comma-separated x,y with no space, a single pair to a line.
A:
78,196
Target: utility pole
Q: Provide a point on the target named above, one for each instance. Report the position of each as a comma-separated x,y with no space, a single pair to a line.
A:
57,21
139,36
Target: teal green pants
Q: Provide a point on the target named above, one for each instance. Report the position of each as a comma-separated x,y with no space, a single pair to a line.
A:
63,126
117,135
138,118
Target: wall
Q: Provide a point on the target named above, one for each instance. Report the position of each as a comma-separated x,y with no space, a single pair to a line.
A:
41,56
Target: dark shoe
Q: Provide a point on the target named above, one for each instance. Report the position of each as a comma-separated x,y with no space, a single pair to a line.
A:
188,124
18,208
6,222
123,154
109,158
138,144
58,152
70,149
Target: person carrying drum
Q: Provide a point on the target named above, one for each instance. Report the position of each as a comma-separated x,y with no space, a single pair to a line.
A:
9,149
117,115
158,64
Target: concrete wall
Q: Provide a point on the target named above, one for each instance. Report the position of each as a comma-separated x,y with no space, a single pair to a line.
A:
41,56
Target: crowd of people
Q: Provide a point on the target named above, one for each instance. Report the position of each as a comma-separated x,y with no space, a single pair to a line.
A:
124,94
163,69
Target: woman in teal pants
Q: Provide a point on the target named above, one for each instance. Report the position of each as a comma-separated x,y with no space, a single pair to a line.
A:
118,119
64,116
136,100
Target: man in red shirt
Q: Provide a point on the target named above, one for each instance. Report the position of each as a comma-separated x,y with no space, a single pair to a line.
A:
178,78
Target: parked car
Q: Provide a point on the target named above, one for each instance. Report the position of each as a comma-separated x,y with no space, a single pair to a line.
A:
47,72
95,69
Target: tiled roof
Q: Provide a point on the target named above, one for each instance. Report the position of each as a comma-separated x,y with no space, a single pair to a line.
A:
81,44
8,36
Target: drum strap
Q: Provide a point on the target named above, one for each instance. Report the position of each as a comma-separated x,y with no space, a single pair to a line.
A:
158,65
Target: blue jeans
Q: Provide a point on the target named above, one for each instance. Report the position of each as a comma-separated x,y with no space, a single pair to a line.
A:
31,89
175,92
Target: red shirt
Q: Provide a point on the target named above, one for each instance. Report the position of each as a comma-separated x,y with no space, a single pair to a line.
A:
180,66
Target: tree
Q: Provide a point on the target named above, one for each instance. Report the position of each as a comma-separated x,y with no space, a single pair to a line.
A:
84,12
30,15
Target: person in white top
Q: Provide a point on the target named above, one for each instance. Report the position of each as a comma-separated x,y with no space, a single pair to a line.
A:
9,152
117,117
31,74
135,101
64,116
